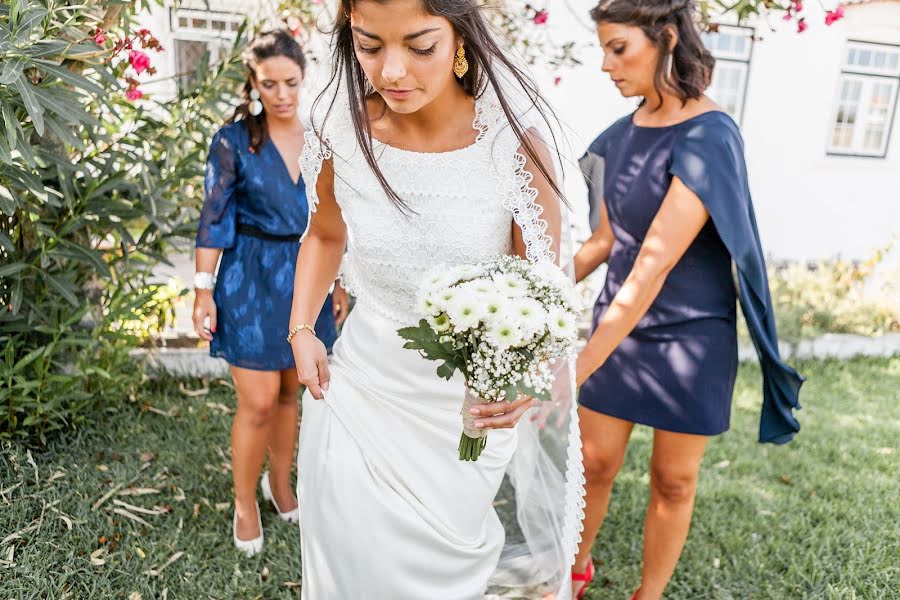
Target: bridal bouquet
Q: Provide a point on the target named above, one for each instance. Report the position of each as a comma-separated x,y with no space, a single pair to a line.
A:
499,323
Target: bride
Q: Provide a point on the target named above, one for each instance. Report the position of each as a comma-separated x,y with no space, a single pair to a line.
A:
426,149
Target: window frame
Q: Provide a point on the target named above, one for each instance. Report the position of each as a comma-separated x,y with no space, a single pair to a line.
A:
220,38
868,75
736,59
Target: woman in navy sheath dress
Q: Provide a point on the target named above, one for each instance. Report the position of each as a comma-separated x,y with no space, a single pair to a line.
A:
675,214
254,215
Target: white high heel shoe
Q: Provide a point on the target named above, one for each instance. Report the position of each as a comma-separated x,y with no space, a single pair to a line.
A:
248,547
291,516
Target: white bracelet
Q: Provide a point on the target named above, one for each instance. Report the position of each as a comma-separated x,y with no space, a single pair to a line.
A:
204,281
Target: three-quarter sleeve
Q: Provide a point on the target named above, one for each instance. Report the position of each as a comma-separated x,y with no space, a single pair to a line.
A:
218,218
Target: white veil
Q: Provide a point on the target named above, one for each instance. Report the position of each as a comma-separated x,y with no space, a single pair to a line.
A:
540,502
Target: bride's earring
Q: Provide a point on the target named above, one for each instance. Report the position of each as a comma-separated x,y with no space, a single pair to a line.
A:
256,106
670,59
460,64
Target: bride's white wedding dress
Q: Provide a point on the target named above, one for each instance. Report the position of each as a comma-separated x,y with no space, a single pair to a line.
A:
388,510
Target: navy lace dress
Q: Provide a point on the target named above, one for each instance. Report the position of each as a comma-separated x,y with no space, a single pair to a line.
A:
256,213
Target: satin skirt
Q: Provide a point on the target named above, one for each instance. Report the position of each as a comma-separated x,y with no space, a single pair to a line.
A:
388,511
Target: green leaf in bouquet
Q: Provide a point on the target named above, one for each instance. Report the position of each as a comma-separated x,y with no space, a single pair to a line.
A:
427,341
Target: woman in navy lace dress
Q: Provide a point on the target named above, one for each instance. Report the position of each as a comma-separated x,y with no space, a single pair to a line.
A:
254,215
675,214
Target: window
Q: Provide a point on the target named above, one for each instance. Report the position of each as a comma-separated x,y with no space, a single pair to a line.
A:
866,100
732,47
197,32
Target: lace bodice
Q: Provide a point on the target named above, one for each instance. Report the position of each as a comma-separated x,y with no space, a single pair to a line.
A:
463,205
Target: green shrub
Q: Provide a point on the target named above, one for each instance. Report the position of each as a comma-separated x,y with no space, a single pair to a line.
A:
94,191
838,296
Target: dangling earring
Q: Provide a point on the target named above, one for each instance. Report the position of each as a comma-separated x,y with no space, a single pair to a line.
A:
460,64
670,61
256,106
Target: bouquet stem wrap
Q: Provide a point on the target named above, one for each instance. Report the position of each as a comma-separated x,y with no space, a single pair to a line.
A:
473,440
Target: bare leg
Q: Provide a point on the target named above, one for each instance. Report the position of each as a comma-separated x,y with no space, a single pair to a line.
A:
604,441
283,440
674,467
257,394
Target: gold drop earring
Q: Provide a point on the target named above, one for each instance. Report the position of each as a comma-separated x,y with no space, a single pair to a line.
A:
460,64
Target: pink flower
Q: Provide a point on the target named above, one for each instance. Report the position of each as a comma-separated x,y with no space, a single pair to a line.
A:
134,94
801,26
798,6
99,37
557,80
540,17
834,15
139,61
143,32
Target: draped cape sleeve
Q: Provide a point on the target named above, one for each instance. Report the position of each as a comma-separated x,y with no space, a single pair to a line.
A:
709,158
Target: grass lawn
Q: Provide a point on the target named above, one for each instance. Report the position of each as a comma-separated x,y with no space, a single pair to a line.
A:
139,505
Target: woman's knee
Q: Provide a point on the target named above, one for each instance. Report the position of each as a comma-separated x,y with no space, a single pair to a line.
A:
673,485
259,410
601,466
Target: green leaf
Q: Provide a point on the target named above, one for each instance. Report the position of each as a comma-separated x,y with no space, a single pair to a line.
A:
8,202
7,242
12,269
11,71
5,154
31,103
28,359
60,287
16,302
30,20
66,105
82,254
74,79
11,124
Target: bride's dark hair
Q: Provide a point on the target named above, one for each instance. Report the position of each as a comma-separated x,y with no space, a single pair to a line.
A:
483,54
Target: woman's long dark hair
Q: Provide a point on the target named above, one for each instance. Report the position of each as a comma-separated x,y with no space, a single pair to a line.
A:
692,63
484,56
266,44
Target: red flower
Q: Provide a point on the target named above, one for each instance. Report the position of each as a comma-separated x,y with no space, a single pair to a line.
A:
801,26
134,94
99,37
798,6
143,32
834,15
540,17
139,61
557,80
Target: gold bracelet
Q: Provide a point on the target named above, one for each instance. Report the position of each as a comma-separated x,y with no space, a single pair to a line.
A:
298,328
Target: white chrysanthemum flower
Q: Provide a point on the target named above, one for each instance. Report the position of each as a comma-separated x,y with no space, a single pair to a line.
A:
493,307
504,334
468,272
561,322
441,323
511,284
438,281
424,305
550,273
530,315
465,312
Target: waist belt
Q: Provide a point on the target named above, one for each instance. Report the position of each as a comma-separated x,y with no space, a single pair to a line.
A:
259,233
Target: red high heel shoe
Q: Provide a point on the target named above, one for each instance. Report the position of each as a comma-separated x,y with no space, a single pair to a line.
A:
584,579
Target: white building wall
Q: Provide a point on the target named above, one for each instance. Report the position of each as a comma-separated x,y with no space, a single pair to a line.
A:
809,205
